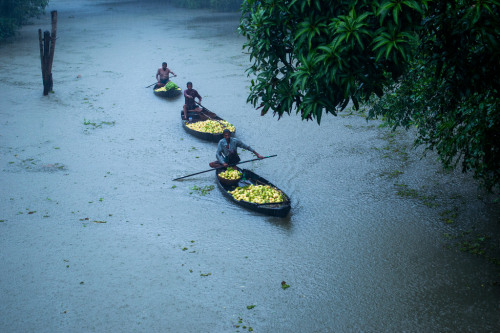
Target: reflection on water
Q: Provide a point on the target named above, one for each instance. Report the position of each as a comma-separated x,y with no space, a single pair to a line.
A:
362,249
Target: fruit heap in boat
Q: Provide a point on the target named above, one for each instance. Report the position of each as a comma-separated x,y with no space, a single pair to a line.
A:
170,85
231,174
258,194
211,126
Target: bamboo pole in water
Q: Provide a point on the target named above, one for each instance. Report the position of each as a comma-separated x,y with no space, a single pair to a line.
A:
53,38
47,49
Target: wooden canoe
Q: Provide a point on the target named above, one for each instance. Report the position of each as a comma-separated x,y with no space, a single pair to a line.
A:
168,93
274,209
196,116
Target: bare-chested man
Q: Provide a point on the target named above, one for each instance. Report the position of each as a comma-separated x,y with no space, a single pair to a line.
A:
162,75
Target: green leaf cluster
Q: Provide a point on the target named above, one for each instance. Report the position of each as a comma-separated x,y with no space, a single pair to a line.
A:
316,56
220,5
192,4
451,92
14,13
430,65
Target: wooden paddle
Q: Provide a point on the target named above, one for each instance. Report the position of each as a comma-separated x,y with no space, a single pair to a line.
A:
204,108
157,82
206,115
255,159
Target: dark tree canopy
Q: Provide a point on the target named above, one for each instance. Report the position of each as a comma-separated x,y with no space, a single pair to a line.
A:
427,64
221,5
318,55
451,91
14,13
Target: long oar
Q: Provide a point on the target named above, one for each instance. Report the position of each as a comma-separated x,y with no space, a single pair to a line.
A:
157,82
255,159
204,107
207,110
220,122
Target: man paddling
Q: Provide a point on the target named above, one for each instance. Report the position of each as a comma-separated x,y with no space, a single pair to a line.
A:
190,104
227,151
162,75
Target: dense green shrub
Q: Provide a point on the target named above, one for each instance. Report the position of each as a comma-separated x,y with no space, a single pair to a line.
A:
221,5
192,4
226,5
429,65
7,27
14,13
451,92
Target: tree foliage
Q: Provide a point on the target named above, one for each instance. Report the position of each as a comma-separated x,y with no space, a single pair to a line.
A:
451,92
221,5
427,64
14,13
318,56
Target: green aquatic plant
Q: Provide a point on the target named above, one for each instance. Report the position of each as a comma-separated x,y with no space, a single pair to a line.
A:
284,285
97,125
203,190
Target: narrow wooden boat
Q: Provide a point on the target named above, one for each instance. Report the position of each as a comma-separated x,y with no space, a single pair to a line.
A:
250,178
204,115
167,93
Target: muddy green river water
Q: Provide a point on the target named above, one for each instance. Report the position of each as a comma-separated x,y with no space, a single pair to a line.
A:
96,237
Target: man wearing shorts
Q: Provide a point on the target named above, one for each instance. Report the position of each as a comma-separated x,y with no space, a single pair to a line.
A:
190,104
162,75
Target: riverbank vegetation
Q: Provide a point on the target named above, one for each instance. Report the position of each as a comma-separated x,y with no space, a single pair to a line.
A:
429,65
220,5
14,13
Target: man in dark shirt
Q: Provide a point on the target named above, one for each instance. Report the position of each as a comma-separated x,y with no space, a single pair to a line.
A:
190,104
